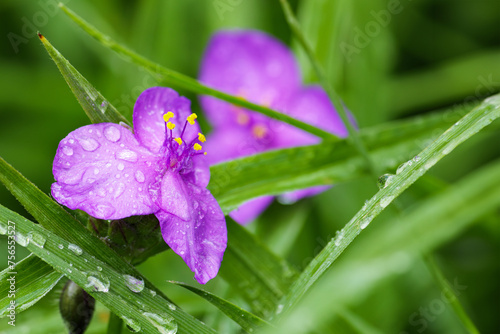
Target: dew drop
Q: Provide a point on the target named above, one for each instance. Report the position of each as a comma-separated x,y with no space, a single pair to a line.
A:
96,171
134,284
60,246
139,176
279,309
97,281
164,324
132,325
89,144
172,307
403,166
384,202
385,180
119,190
339,237
67,150
365,221
127,155
153,292
112,133
104,209
21,239
3,228
37,239
99,268
75,249
121,166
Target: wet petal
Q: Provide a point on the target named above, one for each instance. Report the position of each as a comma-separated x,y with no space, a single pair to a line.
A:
149,126
249,64
227,143
310,105
201,240
294,196
247,212
102,170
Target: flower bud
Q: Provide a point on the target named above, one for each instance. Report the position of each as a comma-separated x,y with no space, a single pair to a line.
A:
76,307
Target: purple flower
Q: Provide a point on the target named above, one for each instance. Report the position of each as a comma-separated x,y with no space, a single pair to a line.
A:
111,173
262,70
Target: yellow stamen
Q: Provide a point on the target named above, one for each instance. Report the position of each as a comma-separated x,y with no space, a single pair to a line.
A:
242,117
170,125
178,140
191,118
197,147
201,137
168,116
204,153
259,131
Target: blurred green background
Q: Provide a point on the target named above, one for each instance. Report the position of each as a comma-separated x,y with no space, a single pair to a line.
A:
388,60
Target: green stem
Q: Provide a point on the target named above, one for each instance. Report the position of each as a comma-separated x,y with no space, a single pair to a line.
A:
115,324
171,77
449,294
320,73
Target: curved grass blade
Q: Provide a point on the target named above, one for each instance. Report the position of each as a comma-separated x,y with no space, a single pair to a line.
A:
97,108
248,321
171,77
31,278
435,221
407,174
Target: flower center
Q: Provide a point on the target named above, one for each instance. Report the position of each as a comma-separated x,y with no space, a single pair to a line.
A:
180,150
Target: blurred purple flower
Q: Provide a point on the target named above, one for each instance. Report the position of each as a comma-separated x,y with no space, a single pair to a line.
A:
260,69
111,173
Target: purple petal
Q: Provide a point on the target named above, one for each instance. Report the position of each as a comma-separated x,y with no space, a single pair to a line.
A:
250,64
247,212
102,170
149,126
200,240
294,196
227,143
310,105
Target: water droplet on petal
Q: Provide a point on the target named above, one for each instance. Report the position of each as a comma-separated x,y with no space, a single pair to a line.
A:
119,190
37,239
112,133
67,150
134,284
121,166
139,176
104,209
89,144
75,249
127,155
96,171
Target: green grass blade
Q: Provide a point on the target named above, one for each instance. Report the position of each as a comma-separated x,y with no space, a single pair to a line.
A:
259,276
269,173
248,321
171,77
435,221
33,279
469,125
97,108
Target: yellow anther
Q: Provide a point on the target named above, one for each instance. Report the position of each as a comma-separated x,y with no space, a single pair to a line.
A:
170,125
201,137
178,140
242,117
259,131
191,118
197,147
204,153
168,116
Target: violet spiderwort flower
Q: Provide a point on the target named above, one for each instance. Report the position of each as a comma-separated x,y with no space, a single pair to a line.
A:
260,69
111,173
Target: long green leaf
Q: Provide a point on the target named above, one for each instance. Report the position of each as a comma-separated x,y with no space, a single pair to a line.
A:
248,321
26,282
407,174
171,77
428,225
97,108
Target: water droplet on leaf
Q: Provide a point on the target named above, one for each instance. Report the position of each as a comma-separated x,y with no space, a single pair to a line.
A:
134,284
385,180
75,249
37,239
97,281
